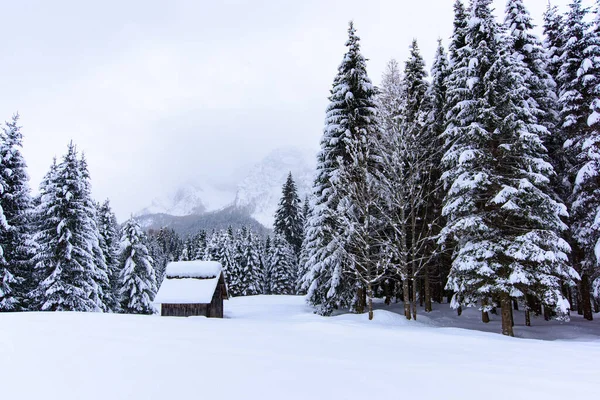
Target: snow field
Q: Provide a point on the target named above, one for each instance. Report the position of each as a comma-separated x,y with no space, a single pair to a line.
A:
274,347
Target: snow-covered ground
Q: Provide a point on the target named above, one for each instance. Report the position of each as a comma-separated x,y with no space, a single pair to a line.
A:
273,347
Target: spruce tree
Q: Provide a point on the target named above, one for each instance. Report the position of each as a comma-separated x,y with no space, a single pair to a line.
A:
65,262
585,150
527,47
391,101
288,217
339,219
16,207
281,266
439,260
105,294
554,40
498,206
138,282
574,114
250,272
109,239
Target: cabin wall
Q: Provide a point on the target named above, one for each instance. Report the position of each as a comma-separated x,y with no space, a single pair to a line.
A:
216,304
183,310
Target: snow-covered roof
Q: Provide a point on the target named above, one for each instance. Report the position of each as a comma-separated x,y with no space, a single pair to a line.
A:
194,269
189,282
186,291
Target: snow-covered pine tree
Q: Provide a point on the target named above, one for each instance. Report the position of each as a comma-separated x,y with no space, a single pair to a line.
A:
339,217
439,261
498,206
266,253
391,103
105,294
574,113
459,33
186,252
159,258
8,299
585,199
526,46
138,281
288,217
421,162
199,245
221,247
281,266
250,272
64,261
553,39
109,240
16,235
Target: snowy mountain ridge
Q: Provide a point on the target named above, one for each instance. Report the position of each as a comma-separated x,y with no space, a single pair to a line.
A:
256,194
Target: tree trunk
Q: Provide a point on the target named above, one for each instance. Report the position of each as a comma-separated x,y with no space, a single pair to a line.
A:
547,313
421,293
406,296
427,290
459,310
370,300
507,326
515,305
527,316
579,302
414,298
360,305
586,300
485,317
388,292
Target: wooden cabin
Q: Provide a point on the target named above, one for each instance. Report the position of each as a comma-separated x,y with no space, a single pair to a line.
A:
192,288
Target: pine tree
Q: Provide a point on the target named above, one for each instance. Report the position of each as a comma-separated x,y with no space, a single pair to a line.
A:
439,261
554,39
281,266
250,272
109,239
498,206
105,297
575,103
64,262
288,217
527,47
459,33
339,219
391,101
585,150
138,282
199,245
16,207
221,248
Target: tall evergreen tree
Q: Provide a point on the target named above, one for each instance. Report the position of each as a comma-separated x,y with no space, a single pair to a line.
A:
575,103
338,230
439,261
101,271
65,264
585,150
16,206
109,240
499,212
288,217
138,282
250,272
554,39
528,48
281,266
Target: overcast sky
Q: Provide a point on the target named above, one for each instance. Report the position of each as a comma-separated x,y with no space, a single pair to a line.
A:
158,93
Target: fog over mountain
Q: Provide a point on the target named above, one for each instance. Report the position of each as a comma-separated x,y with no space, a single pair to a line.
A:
208,204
